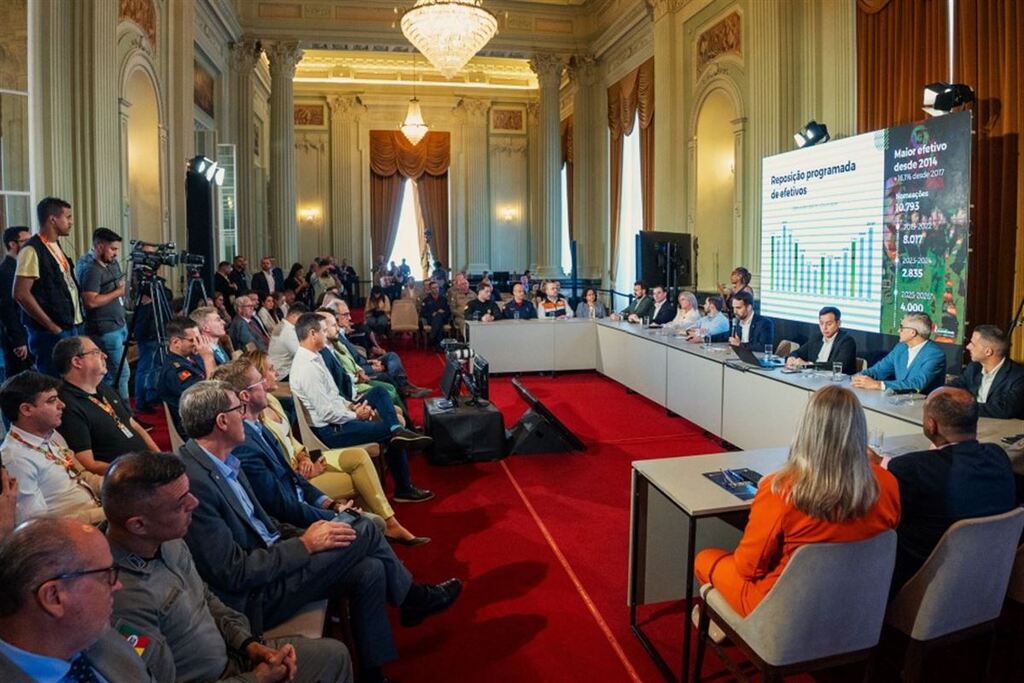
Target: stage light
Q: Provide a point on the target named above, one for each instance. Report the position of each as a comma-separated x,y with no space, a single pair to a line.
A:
812,134
942,98
200,164
218,176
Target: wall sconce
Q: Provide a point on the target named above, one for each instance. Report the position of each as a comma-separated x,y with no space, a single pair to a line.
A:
310,215
507,214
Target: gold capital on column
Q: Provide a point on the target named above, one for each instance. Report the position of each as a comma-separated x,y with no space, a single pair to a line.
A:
245,54
346,106
548,67
583,69
284,56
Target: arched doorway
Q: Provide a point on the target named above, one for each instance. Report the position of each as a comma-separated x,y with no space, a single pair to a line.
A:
142,155
716,189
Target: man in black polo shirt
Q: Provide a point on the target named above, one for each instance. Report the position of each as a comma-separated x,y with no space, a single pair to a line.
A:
103,289
45,286
97,425
483,307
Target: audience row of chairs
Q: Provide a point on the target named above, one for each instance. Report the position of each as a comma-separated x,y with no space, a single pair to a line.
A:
831,602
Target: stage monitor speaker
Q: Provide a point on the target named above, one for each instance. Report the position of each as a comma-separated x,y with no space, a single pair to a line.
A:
200,225
665,258
539,431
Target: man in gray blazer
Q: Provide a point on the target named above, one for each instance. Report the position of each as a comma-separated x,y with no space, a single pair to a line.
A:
269,570
639,308
58,578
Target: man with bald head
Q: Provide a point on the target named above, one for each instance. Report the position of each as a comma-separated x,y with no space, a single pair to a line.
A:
58,581
958,478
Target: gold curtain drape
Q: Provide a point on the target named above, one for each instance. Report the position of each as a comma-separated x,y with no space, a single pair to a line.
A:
385,207
392,158
433,195
901,47
631,100
567,161
989,56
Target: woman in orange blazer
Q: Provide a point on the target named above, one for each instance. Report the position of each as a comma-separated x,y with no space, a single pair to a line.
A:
827,492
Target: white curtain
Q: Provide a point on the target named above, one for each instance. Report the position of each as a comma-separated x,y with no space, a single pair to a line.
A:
631,215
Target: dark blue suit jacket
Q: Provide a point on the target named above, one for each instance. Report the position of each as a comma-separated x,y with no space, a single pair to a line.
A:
762,332
260,285
1005,398
341,378
927,372
276,484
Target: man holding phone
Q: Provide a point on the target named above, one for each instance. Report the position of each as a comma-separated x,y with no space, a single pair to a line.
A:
103,292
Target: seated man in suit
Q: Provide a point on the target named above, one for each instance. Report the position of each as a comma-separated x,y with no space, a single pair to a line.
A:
993,379
833,346
958,478
639,308
246,328
747,327
284,494
388,368
211,327
58,580
663,311
271,569
914,364
183,632
189,360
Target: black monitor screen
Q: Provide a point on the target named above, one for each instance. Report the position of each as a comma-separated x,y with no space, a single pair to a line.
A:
450,378
481,377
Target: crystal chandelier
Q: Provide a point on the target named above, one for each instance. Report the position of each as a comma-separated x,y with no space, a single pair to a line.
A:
414,128
449,32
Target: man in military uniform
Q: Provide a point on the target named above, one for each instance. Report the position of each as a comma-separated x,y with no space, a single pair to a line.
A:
175,623
190,359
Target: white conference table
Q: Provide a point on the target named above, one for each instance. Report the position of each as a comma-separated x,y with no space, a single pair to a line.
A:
672,499
755,410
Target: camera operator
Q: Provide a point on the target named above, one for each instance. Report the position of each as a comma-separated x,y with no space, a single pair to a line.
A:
103,290
146,276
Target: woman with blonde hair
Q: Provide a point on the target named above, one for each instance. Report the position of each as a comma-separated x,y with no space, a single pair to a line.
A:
827,492
687,313
342,473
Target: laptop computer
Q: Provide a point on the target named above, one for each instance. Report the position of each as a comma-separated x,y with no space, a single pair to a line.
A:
748,358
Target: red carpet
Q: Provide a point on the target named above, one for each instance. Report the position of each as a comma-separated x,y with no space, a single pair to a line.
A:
541,541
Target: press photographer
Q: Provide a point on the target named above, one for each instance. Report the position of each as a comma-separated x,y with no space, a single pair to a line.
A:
103,290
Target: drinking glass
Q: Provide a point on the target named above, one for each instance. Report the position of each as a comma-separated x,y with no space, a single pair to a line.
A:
515,313
837,371
768,351
876,440
707,342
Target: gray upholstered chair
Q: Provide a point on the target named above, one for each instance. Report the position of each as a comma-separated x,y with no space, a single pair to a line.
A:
308,622
1015,591
826,609
786,347
312,442
960,590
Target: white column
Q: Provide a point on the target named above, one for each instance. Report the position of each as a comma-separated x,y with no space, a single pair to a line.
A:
583,70
244,56
548,68
284,240
347,233
473,115
533,181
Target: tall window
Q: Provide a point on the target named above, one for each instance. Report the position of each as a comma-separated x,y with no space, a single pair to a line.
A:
566,256
15,183
226,197
407,242
631,213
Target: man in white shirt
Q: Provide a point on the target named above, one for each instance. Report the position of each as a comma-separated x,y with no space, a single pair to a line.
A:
284,343
50,480
340,423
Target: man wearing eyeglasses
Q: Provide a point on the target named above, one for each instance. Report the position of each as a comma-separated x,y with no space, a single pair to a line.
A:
97,424
50,480
181,630
915,364
58,579
261,566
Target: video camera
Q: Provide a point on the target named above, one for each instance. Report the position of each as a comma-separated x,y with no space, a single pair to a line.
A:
150,256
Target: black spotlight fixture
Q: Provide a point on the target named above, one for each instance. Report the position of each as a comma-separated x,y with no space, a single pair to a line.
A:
812,134
942,98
